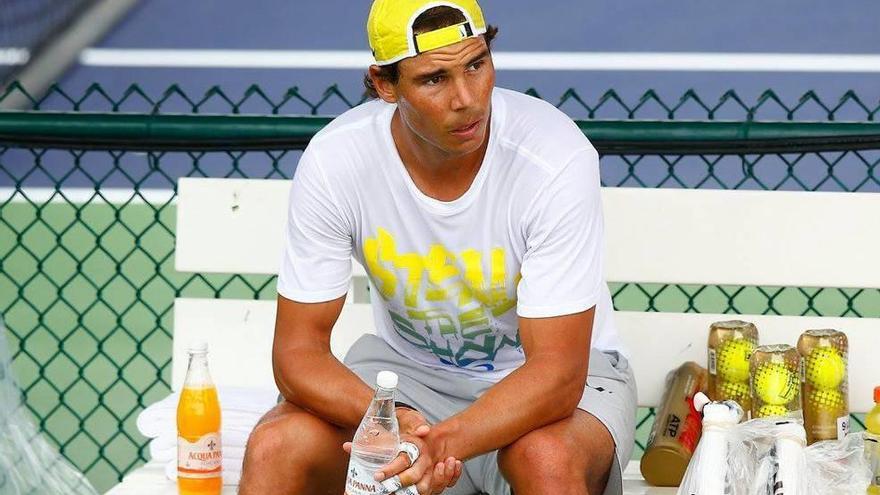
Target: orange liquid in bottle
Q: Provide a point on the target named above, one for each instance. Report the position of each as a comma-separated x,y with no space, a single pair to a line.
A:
198,423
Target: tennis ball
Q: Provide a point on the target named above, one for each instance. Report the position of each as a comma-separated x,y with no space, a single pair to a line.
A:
733,390
733,360
775,384
825,367
768,410
827,399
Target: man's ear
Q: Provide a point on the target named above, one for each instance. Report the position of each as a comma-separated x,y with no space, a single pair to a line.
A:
385,88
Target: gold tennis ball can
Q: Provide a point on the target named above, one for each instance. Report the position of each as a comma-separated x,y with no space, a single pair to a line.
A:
824,384
730,346
677,427
775,388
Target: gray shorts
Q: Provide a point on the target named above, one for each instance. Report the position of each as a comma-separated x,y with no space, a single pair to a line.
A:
610,396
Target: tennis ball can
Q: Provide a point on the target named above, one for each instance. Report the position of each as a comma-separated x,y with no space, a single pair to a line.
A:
677,427
824,384
775,390
730,346
199,450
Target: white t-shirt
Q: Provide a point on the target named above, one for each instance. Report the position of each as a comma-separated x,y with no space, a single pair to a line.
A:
449,279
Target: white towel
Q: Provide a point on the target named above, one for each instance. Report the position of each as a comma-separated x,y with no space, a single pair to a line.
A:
231,471
240,408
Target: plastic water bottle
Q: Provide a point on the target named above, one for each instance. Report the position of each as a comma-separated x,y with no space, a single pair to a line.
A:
375,443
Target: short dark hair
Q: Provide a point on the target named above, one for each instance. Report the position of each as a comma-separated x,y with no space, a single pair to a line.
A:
429,20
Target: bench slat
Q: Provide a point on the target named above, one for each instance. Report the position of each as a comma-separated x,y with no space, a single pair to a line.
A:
776,238
240,336
232,226
239,333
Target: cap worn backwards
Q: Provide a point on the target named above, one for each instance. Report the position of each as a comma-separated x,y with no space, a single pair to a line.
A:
390,28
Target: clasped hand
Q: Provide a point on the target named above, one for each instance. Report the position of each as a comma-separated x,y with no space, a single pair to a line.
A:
428,474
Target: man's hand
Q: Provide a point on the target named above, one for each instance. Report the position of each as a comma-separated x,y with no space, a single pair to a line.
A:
445,473
411,422
428,474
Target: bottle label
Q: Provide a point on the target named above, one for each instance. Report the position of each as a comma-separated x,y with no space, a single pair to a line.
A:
200,459
693,427
712,363
842,427
360,480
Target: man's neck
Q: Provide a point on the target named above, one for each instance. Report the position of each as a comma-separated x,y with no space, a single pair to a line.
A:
437,174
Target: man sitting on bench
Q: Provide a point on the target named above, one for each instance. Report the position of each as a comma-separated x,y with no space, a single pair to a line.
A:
476,213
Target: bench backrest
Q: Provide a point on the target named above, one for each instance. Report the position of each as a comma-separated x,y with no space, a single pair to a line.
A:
765,238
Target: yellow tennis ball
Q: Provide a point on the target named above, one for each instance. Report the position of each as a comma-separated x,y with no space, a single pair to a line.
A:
733,360
825,367
775,384
768,410
733,390
828,399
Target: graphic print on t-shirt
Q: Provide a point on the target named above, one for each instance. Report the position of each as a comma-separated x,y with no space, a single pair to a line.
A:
443,301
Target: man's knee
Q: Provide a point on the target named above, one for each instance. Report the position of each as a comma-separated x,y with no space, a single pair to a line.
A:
544,454
573,451
296,436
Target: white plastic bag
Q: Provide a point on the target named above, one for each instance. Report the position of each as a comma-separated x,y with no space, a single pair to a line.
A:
28,465
838,466
768,456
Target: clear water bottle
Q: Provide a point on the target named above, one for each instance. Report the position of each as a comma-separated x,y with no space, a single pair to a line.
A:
376,440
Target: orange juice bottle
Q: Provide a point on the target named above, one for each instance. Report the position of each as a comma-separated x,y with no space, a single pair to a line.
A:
199,452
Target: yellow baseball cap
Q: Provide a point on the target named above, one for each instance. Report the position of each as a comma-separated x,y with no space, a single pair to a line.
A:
390,31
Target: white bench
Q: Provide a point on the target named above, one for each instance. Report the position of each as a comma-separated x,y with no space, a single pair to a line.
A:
795,239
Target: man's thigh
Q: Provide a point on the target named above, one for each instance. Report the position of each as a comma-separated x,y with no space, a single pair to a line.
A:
607,410
290,439
578,449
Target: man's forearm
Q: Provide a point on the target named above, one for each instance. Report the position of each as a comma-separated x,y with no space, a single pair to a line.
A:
532,396
317,381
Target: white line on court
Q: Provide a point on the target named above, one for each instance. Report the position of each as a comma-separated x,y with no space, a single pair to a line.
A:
80,195
14,56
571,61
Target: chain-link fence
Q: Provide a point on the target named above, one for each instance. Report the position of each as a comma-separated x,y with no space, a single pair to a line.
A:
87,246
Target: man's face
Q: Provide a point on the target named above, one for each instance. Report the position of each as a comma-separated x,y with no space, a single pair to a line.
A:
443,96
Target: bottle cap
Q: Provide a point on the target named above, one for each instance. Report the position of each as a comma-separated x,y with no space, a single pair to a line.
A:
877,394
197,346
387,379
700,401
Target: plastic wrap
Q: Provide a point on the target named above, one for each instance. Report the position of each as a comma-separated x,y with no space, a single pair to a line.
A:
768,456
28,465
838,466
712,470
